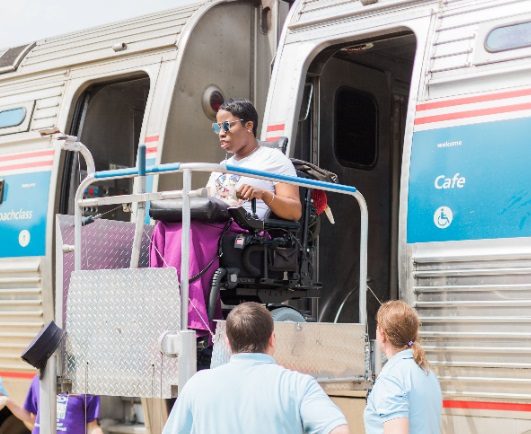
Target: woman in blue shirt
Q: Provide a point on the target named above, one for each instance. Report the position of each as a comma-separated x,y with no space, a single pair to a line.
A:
406,397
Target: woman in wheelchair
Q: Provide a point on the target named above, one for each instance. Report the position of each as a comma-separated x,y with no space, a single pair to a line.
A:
236,128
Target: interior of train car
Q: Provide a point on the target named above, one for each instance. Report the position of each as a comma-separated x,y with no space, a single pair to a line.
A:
352,122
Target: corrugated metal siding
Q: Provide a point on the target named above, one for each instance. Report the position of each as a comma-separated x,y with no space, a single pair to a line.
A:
476,324
21,310
139,34
311,10
456,31
47,92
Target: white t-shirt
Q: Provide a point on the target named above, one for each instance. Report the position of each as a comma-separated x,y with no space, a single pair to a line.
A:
225,185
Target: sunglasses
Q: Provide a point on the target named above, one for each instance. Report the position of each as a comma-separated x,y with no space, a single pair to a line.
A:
225,126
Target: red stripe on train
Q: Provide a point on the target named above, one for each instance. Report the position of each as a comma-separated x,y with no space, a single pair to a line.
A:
26,155
151,149
17,374
473,113
28,165
486,405
277,127
273,139
473,99
149,139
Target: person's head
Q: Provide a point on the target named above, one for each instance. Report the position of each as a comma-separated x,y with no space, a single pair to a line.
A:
249,329
398,328
236,125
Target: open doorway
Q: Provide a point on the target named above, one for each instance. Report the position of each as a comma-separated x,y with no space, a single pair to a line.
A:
107,119
354,126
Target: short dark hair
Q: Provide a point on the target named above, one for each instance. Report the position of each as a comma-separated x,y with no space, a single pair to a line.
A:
249,327
242,108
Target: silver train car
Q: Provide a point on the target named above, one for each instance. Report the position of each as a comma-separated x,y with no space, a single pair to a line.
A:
425,106
155,80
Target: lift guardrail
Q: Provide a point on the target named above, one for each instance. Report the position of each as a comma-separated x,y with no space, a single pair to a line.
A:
186,169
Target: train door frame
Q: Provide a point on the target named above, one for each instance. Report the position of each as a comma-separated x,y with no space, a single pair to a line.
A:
402,142
81,81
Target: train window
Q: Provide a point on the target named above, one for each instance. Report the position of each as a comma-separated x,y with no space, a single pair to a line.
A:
12,117
356,125
15,118
509,37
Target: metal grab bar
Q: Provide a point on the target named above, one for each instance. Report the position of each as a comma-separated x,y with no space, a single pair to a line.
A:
187,169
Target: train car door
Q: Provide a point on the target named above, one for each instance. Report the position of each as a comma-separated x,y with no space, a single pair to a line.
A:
361,92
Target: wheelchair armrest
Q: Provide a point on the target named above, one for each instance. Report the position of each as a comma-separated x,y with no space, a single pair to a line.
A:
246,220
281,224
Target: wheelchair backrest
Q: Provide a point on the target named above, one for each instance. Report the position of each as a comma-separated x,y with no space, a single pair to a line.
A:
310,219
281,144
304,169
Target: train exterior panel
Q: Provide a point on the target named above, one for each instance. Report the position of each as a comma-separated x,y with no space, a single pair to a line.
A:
155,80
425,107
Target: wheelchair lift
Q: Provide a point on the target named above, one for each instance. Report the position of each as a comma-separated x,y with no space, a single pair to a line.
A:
169,356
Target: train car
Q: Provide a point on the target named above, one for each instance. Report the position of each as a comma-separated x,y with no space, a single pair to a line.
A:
425,107
155,80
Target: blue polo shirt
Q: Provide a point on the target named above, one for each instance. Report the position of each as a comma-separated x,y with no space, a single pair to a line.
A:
252,394
403,389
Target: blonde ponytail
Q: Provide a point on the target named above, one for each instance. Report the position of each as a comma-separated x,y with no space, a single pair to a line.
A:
419,355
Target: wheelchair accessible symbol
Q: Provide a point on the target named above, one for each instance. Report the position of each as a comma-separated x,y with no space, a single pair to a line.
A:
24,238
443,217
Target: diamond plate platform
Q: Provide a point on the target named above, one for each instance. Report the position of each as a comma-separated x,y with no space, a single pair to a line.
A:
105,244
328,352
114,321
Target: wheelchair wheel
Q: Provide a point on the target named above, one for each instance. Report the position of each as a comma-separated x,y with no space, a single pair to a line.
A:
287,314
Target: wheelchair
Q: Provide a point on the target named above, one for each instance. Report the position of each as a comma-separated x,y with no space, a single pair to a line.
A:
274,260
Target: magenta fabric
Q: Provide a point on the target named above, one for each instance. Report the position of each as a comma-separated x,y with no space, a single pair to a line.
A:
165,250
72,410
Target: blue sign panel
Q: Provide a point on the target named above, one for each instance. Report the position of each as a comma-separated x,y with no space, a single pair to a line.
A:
23,214
471,182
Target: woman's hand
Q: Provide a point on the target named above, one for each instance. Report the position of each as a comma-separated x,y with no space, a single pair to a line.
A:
284,202
248,192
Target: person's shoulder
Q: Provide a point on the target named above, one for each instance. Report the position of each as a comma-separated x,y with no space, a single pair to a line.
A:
93,398
273,153
295,377
275,160
432,378
404,373
34,386
206,376
402,361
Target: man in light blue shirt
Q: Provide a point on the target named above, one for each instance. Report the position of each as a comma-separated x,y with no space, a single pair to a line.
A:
252,394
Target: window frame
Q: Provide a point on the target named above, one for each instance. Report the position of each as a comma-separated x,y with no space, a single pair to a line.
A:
346,163
25,124
485,41
482,56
